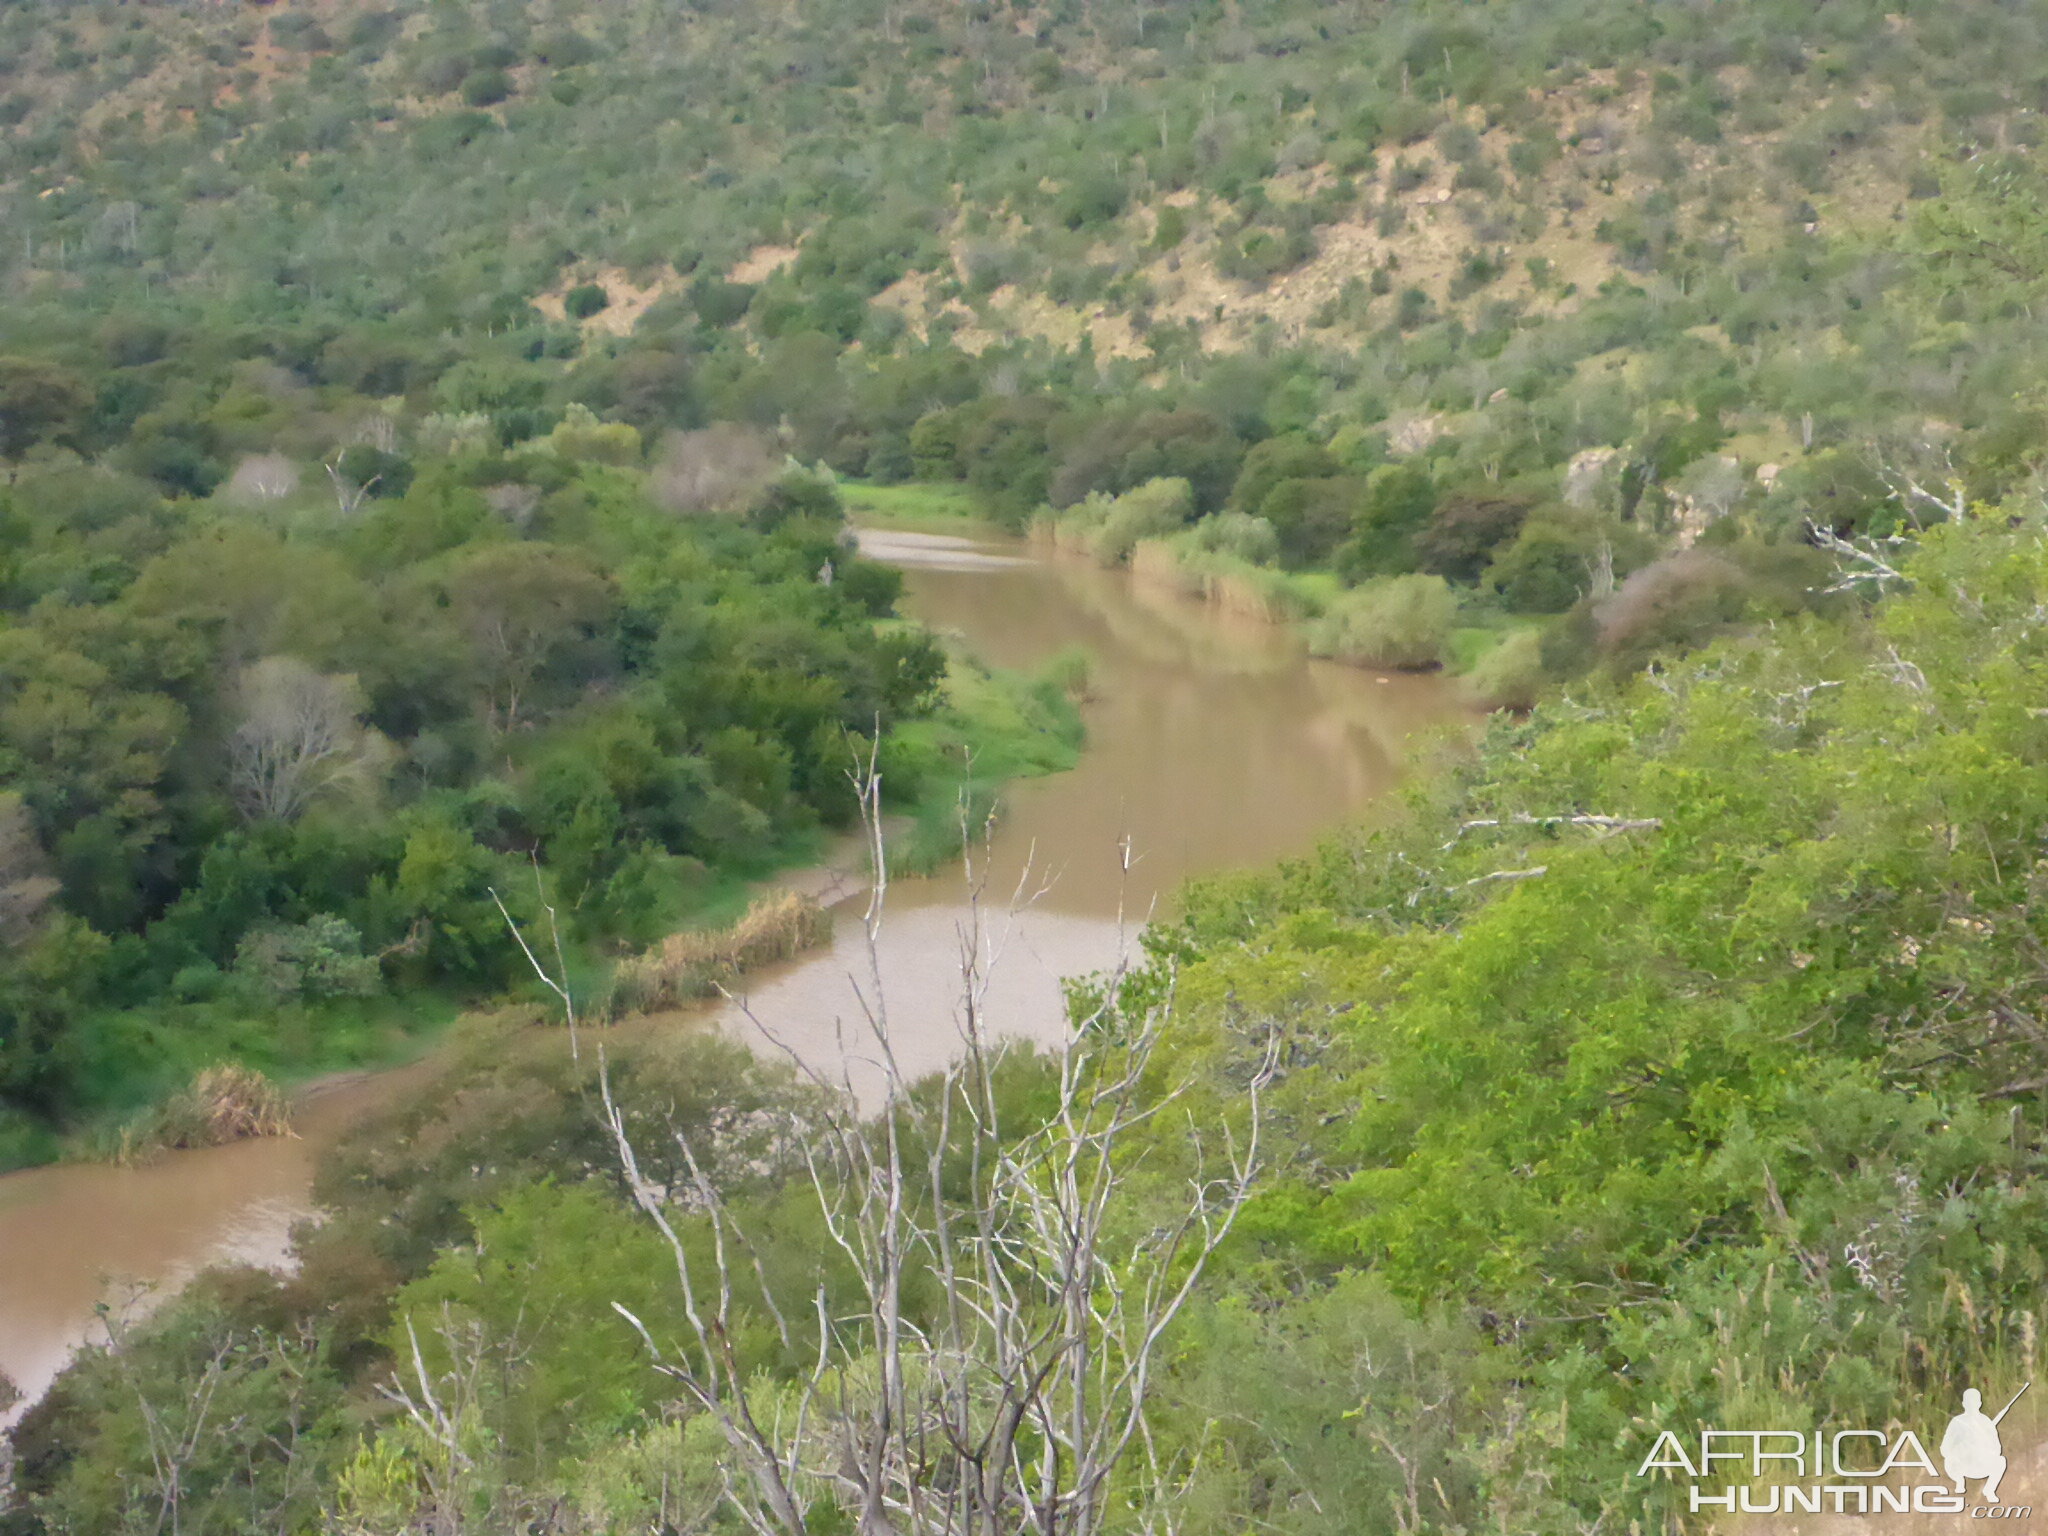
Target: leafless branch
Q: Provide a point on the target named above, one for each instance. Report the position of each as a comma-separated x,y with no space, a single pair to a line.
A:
559,983
1608,826
348,496
1863,562
1008,1405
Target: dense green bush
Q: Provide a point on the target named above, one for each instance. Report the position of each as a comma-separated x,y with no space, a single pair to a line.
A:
585,300
1396,621
492,655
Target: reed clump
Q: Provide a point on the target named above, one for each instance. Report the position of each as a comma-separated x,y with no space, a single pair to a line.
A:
222,1104
1236,586
700,963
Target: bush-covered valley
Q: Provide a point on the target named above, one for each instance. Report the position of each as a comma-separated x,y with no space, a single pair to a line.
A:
1677,1062
426,429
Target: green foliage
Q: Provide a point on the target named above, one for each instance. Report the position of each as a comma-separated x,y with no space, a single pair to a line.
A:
1551,1055
1396,621
1511,674
1236,535
1109,528
522,652
1394,510
320,958
585,300
209,274
1465,528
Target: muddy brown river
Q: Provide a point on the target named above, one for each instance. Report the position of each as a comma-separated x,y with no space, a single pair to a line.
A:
1213,743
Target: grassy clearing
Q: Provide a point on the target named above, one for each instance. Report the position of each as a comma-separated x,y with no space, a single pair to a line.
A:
910,505
137,1066
994,726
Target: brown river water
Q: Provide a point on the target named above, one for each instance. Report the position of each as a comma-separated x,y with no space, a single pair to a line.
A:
1213,743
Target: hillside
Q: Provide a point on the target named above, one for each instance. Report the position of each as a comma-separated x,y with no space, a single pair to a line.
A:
1604,213
1598,281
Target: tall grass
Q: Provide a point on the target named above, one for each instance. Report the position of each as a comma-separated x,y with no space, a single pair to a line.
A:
1107,529
1234,584
222,1104
700,963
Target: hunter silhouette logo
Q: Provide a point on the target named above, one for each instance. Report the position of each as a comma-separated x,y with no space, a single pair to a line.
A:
1845,1471
1972,1449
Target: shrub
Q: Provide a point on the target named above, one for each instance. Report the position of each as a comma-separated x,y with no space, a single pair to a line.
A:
1510,676
1311,518
487,87
1545,570
1126,450
1398,501
581,438
1401,621
1289,456
566,48
1677,603
585,300
1156,507
319,958
798,492
1465,529
1239,535
719,303
1092,199
442,72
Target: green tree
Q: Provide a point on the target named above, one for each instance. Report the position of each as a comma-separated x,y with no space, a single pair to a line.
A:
527,609
39,402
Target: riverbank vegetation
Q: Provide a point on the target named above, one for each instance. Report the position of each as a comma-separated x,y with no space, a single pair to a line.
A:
1760,1144
269,766
698,963
996,727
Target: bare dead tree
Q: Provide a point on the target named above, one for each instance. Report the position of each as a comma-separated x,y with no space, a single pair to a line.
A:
445,1407
1913,487
1011,1405
1861,558
558,981
1604,826
172,1433
348,496
1600,572
719,468
299,735
262,477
